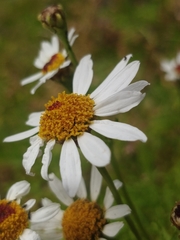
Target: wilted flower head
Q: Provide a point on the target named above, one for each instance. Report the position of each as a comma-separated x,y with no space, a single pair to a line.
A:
175,215
15,219
171,68
53,19
84,218
69,119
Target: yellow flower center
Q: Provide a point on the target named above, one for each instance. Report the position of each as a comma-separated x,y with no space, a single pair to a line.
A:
13,220
68,115
83,220
54,63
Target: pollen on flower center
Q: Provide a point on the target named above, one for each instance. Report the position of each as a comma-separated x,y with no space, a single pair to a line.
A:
68,115
13,220
83,220
54,63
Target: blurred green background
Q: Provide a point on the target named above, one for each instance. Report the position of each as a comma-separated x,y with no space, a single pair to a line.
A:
150,30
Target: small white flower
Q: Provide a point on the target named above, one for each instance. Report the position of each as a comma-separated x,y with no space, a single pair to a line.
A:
49,60
15,219
83,218
171,68
70,118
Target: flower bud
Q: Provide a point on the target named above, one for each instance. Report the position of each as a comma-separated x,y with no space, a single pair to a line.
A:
53,19
175,215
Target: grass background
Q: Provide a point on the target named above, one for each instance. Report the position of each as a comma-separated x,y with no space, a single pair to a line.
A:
108,30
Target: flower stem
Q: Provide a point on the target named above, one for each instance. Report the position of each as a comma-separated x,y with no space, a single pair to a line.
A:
64,39
118,200
127,197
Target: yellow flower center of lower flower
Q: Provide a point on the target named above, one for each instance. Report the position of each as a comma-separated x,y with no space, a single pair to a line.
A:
83,220
13,220
68,115
54,63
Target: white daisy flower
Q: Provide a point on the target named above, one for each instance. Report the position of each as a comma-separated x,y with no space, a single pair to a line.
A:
70,118
171,68
83,219
49,60
15,219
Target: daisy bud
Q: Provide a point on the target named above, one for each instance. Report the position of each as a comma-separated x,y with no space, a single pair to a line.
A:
53,19
175,215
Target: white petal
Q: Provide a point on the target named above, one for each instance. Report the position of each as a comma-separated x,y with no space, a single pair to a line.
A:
118,82
29,234
108,198
94,149
117,130
31,79
65,64
31,154
57,188
22,135
18,190
29,204
95,183
46,202
70,167
137,86
82,193
55,44
111,229
115,72
34,119
38,63
117,211
83,75
45,213
72,38
46,159
119,102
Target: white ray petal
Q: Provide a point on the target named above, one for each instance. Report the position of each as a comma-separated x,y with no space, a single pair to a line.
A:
57,188
111,229
70,167
38,63
115,72
34,119
82,192
45,213
72,38
117,130
108,198
119,102
65,64
94,149
29,204
83,75
18,190
22,135
31,154
31,78
137,86
46,159
55,45
95,183
117,211
46,202
29,234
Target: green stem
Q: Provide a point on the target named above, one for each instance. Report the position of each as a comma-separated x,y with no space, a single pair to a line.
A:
126,195
118,200
64,39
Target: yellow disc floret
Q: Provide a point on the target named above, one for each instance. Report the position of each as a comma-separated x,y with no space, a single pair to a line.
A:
13,220
83,220
68,115
55,62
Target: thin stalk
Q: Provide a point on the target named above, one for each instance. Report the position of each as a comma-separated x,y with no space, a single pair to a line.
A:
118,200
127,197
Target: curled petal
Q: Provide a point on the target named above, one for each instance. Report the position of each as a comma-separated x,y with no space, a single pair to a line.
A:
18,190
